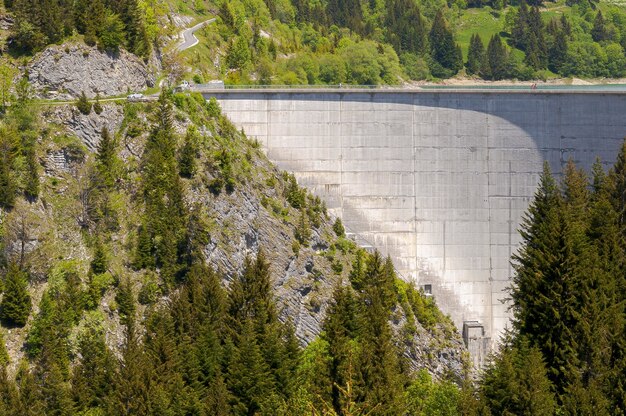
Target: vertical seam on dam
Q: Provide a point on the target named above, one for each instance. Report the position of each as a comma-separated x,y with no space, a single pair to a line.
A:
414,166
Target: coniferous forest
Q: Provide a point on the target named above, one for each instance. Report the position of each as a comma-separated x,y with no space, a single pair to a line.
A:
348,41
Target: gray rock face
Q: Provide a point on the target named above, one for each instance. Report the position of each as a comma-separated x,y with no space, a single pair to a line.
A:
87,127
65,71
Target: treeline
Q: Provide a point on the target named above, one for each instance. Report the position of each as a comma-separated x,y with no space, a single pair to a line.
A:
336,45
563,46
110,24
566,351
348,41
211,351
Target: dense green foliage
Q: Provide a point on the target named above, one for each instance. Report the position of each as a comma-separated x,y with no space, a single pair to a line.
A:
391,41
19,168
109,23
16,304
347,41
566,349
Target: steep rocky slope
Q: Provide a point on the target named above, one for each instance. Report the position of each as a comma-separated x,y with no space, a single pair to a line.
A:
65,71
256,212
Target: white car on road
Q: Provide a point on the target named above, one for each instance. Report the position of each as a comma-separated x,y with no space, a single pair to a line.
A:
135,97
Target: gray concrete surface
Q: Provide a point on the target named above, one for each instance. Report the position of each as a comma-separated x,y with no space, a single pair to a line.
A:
438,180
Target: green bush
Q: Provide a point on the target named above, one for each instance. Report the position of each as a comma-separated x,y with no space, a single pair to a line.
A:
338,228
150,291
83,105
98,285
97,107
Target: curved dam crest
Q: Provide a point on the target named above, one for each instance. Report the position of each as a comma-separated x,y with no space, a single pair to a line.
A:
439,180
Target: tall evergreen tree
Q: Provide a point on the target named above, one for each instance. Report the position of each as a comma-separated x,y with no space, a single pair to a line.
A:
475,55
16,303
187,158
516,383
379,366
442,47
92,378
557,53
599,32
406,28
543,289
519,33
339,328
8,182
495,66
162,237
106,160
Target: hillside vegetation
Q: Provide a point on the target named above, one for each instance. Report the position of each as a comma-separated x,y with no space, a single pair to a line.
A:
174,270
348,41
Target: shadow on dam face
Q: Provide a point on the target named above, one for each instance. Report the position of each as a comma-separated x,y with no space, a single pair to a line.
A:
437,180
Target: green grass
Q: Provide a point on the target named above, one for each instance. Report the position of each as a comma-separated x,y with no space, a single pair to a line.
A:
201,56
485,21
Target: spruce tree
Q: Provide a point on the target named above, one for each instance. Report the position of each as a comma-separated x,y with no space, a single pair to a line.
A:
106,161
166,379
97,107
16,304
126,302
9,396
519,33
249,378
92,378
162,237
187,158
496,59
443,48
517,383
131,392
476,55
8,182
557,53
83,105
599,32
99,262
339,328
380,370
252,308
542,290
31,188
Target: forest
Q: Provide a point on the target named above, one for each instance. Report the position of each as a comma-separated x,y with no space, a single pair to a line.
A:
350,41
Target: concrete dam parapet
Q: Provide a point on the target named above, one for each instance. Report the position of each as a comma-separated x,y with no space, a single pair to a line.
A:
438,180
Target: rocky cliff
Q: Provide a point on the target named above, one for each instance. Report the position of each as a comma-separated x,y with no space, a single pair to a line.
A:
64,71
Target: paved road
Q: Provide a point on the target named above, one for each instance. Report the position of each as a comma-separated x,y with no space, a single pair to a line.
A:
189,37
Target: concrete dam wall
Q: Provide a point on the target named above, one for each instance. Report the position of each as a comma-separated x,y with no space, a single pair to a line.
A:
438,180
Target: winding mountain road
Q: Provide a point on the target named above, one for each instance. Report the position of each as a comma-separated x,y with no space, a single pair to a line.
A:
189,37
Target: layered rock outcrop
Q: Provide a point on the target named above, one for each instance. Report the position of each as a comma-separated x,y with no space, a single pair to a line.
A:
64,71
